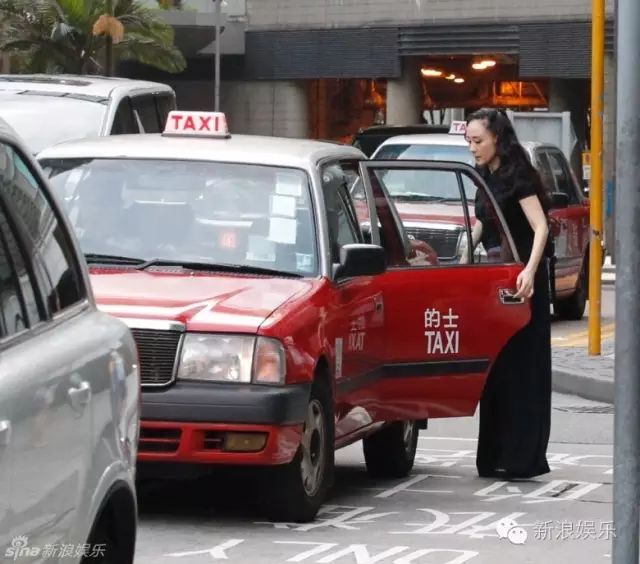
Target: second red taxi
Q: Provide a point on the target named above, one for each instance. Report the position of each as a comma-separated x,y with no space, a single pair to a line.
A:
275,321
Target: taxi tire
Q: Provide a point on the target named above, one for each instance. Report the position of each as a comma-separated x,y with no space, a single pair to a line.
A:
288,501
572,308
386,453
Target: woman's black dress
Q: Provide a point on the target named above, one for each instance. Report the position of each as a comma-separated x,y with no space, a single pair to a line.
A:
515,409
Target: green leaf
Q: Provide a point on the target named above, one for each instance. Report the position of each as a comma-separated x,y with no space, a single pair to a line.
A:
58,34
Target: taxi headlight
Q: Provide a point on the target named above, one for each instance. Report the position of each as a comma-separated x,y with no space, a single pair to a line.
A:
231,358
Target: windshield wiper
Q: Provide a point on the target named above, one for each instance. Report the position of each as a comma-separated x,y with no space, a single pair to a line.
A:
111,259
216,266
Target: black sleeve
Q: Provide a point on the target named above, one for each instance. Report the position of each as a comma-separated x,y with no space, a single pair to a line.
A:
525,188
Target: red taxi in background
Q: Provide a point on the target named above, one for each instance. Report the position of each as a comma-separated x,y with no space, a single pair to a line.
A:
276,321
435,213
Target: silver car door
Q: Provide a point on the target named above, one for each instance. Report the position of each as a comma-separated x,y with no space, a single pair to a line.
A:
48,373
12,329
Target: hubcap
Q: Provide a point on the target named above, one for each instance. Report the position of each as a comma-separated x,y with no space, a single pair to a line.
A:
313,448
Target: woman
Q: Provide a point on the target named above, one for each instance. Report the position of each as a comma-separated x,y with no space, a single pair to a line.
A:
515,410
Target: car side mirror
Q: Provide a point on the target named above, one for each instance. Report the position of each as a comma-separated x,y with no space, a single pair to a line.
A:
361,260
559,200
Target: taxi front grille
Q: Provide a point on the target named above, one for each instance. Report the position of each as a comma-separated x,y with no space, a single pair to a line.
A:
159,440
443,242
157,350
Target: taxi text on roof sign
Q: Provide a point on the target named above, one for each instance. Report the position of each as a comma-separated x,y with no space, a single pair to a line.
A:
197,124
458,128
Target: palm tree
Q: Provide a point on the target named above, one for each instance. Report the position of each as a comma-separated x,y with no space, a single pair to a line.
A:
75,36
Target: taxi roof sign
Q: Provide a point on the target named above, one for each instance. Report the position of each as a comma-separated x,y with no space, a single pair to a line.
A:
458,128
197,124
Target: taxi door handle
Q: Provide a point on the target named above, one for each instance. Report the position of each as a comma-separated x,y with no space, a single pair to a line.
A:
5,433
379,303
507,297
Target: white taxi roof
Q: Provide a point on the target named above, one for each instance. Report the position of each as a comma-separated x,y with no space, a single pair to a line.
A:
426,139
439,139
78,85
248,149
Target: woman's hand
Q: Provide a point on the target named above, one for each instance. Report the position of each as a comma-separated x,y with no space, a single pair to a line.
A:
524,284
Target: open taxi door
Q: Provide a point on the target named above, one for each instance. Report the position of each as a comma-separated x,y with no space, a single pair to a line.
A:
445,322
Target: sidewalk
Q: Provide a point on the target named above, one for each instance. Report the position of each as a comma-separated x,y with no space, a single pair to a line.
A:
577,373
608,272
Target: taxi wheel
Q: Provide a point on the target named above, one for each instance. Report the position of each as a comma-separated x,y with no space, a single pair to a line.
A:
572,308
390,453
301,486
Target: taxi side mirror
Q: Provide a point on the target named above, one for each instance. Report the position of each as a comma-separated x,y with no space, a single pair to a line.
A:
361,260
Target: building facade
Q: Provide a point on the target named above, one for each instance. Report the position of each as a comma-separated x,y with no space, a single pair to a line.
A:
326,68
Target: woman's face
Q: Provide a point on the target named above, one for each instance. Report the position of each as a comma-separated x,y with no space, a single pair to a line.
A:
482,143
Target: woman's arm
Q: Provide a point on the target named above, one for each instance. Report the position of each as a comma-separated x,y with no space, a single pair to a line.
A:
538,222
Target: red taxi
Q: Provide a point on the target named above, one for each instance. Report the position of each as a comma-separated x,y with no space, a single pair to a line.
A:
435,213
276,320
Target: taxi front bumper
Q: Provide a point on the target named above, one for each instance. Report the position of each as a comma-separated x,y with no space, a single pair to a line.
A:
220,423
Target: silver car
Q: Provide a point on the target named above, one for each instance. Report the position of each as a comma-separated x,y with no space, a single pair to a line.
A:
49,109
69,388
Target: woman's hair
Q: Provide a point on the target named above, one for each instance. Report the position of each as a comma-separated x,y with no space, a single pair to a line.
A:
515,167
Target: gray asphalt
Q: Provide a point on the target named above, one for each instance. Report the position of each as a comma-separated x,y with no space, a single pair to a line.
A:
441,514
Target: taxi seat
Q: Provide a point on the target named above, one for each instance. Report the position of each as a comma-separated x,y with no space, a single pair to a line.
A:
158,224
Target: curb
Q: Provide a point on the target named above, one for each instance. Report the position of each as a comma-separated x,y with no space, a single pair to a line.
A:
575,383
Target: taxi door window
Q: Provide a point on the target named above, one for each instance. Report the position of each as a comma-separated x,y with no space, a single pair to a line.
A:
562,175
436,210
393,237
60,271
341,220
546,174
124,121
145,106
165,103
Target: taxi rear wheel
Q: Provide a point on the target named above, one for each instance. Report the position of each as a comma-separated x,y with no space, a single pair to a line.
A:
300,487
391,452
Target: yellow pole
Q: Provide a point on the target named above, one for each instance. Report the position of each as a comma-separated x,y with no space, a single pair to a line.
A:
597,111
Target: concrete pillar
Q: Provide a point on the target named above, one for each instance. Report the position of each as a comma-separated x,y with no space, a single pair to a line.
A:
404,95
5,63
256,108
266,108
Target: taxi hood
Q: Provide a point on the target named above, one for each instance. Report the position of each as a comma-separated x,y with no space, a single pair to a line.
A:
202,301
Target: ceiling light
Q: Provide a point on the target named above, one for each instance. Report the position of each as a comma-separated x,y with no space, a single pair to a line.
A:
459,80
484,64
451,77
431,72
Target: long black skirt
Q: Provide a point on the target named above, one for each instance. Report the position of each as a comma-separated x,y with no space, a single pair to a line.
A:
515,409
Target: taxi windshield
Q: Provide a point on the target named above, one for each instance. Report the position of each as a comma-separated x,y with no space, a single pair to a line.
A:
189,212
427,184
